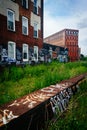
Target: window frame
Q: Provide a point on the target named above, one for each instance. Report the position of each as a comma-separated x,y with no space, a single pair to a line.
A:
25,6
36,7
24,26
13,20
36,52
35,30
25,50
10,50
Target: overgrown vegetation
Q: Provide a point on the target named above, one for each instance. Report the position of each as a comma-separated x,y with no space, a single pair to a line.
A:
75,118
19,81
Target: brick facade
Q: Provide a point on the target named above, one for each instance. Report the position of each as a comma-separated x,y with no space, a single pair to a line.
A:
67,38
17,36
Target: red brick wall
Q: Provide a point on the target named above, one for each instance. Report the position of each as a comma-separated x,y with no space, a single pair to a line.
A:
72,45
63,40
6,35
17,36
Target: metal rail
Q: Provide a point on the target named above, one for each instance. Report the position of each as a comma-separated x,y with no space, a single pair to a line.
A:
32,111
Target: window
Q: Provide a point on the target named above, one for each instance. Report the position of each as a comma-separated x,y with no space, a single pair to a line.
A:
12,50
25,52
35,30
77,33
10,20
24,26
69,32
25,4
35,7
36,52
66,32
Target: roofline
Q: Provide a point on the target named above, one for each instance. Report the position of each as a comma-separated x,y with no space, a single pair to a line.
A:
60,32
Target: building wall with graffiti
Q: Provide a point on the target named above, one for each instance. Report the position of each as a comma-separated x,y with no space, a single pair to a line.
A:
20,28
35,110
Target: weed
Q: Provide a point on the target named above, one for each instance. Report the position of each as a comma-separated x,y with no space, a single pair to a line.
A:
17,81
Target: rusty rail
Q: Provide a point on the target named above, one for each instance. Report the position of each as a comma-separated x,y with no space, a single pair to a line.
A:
32,111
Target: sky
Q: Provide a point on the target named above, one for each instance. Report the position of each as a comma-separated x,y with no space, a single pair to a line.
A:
70,14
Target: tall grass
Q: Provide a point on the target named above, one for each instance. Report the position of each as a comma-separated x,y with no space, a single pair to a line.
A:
17,81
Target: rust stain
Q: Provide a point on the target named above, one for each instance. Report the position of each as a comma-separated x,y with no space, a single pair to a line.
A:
18,107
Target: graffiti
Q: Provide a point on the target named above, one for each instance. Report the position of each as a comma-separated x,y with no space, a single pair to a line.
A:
7,115
48,89
4,54
19,54
25,101
60,102
58,96
0,49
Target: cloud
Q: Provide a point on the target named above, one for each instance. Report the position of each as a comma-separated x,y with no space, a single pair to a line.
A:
70,14
83,41
82,24
52,25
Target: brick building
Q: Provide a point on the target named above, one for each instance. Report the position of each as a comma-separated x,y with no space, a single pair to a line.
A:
21,28
67,38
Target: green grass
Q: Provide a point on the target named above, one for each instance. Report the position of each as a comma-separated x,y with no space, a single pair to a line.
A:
75,118
16,82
